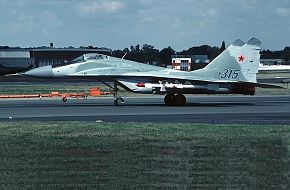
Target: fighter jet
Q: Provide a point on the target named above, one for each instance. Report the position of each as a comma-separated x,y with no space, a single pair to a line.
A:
232,72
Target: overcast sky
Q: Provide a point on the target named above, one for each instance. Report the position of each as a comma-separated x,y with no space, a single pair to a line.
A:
117,24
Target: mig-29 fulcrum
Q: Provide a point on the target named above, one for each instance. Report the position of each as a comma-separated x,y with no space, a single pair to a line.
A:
232,72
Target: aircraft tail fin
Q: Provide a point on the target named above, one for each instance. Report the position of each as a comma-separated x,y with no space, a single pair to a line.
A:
239,62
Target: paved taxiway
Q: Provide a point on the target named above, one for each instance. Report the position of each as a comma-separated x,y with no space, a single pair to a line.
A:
205,109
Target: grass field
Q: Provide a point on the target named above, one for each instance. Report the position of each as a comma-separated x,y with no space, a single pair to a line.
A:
80,155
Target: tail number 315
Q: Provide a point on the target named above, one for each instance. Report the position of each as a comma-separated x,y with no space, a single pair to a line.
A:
229,74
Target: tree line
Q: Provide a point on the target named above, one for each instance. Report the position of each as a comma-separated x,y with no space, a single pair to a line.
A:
282,54
149,54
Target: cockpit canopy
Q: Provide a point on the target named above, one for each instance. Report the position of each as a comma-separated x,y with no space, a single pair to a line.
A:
89,57
84,58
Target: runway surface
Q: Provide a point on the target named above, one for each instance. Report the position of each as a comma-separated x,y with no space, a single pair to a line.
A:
200,109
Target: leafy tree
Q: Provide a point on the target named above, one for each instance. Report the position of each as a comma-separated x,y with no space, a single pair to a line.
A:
132,49
137,48
150,55
286,54
165,56
126,50
215,51
118,53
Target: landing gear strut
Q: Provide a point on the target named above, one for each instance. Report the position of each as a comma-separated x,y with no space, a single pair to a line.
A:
174,99
118,100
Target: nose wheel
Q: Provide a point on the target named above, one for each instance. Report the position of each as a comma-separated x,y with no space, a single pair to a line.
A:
119,101
174,100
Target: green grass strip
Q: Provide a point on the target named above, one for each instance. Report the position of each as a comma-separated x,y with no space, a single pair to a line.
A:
80,155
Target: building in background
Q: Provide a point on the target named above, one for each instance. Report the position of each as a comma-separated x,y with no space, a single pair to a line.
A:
189,63
271,65
272,61
60,56
15,60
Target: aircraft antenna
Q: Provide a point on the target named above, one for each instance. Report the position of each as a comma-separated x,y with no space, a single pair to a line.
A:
124,55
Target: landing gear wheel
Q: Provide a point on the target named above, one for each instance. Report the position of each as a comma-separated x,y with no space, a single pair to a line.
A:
180,100
119,102
169,99
174,100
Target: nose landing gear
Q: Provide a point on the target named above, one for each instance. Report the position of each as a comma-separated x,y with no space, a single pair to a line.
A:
118,100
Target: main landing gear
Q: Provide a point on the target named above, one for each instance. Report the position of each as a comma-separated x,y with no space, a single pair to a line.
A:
174,100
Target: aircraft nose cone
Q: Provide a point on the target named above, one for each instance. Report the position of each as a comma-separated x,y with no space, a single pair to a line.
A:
41,72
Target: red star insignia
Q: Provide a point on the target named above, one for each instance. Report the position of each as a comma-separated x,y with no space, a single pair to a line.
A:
241,58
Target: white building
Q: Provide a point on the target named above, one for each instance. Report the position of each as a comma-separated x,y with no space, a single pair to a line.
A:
183,64
186,63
